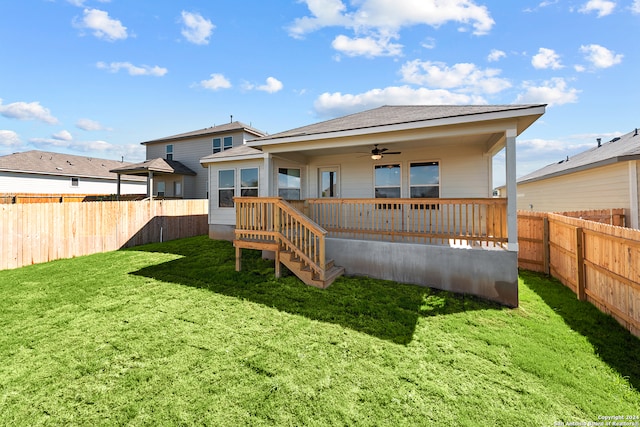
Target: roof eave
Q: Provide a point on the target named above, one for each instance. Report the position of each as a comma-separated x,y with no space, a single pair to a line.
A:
606,162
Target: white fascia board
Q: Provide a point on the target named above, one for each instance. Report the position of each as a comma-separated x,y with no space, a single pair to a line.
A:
204,162
67,175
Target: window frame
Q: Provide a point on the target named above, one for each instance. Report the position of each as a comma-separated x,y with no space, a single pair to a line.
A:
399,186
244,188
224,143
226,189
299,188
425,163
75,181
168,152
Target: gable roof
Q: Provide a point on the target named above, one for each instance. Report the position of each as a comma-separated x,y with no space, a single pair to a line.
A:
210,131
619,149
394,115
158,165
48,163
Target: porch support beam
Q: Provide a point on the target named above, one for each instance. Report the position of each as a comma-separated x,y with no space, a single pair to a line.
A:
512,193
150,185
634,215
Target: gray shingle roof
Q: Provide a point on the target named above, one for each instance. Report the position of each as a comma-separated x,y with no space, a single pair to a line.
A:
230,154
228,127
48,163
158,165
623,148
391,115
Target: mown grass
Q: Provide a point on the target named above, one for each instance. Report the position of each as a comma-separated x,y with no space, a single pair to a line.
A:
170,334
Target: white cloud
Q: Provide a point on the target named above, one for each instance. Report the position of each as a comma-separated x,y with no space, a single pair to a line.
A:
103,26
375,22
217,81
496,55
464,77
336,104
90,125
27,111
272,85
367,46
63,135
133,70
635,7
196,28
98,148
552,92
600,57
546,58
602,7
9,138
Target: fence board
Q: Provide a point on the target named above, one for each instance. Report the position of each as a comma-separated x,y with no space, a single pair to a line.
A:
40,232
607,257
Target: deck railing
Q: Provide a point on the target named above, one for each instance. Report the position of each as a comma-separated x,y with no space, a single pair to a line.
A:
469,222
271,220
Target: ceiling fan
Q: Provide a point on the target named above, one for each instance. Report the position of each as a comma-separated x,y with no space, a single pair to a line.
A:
376,153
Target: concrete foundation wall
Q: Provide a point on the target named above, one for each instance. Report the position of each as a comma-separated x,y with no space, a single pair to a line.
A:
490,274
221,232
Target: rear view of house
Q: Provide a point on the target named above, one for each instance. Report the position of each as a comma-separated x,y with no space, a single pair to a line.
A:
398,192
605,177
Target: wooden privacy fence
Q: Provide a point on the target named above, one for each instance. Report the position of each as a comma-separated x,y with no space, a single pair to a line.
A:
35,233
600,263
20,198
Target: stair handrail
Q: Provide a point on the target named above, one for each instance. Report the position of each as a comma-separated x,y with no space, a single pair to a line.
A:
314,255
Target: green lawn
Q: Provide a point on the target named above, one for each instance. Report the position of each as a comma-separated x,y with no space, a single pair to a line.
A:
170,334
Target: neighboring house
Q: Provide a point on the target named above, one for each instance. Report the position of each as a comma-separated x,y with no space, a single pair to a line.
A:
398,192
605,177
43,172
173,163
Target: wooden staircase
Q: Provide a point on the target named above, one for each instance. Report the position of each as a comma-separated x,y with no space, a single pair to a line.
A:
270,223
308,276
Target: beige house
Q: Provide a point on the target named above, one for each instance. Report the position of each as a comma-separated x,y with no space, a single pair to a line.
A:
604,177
173,167
398,192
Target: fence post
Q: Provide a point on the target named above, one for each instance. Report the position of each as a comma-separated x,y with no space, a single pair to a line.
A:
580,285
546,252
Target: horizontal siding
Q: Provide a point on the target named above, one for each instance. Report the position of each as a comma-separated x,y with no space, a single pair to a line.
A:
189,152
25,183
600,188
227,216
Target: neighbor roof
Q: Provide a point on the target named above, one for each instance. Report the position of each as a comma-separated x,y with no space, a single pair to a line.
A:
158,165
48,163
623,148
241,152
392,115
213,130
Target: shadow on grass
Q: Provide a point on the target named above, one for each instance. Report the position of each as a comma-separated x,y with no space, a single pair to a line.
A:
616,346
386,310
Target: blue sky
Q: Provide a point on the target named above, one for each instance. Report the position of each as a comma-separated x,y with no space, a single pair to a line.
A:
97,77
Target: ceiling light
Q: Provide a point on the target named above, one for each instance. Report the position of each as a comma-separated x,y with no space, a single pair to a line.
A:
376,156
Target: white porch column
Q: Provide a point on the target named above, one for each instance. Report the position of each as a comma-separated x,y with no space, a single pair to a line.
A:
150,185
266,186
512,194
634,215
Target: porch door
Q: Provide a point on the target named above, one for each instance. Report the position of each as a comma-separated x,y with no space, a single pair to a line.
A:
329,182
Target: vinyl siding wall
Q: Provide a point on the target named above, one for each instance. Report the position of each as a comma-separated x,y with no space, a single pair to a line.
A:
11,182
227,216
189,152
606,187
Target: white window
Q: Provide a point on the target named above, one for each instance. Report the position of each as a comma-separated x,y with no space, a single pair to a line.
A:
387,181
169,152
75,181
249,182
221,144
424,180
161,188
226,188
177,188
289,183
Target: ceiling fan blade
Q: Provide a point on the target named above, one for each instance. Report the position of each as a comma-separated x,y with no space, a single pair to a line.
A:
393,152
